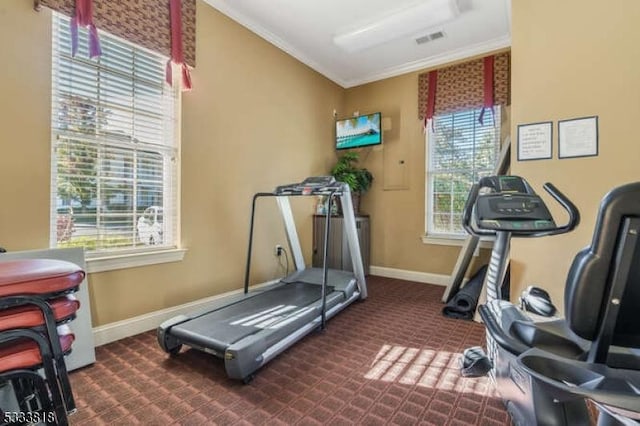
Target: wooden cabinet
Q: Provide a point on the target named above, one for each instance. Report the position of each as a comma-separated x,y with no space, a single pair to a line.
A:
339,256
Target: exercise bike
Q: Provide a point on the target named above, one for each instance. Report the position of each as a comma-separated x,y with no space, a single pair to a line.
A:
546,371
507,207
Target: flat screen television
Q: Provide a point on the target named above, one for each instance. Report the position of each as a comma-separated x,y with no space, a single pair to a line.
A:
357,132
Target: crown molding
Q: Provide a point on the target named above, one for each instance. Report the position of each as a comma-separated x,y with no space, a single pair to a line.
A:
430,62
254,27
434,61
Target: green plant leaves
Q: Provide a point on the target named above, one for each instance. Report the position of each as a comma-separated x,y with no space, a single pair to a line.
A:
345,170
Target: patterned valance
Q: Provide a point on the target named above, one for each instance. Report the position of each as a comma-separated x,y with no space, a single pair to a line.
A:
461,86
145,23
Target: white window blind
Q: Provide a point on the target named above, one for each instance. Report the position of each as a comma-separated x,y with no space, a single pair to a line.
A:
114,147
460,152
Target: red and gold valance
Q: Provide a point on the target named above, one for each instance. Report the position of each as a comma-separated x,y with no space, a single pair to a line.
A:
146,23
461,87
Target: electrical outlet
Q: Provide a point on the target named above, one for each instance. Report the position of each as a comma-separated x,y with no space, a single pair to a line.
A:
277,250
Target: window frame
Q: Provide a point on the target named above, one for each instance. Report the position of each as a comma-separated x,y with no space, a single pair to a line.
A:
452,238
114,258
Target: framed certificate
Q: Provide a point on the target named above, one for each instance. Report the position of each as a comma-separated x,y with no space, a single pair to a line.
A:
578,137
535,141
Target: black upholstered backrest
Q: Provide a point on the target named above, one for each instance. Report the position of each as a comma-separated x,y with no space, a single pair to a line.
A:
627,328
602,293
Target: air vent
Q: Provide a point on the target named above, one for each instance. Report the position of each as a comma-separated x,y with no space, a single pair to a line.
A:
430,37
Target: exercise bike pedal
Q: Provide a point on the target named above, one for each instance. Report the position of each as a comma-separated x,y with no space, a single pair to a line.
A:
538,301
475,363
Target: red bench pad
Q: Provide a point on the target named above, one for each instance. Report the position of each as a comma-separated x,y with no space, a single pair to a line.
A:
38,276
25,353
28,316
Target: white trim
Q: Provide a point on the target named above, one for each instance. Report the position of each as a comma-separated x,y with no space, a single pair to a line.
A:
132,260
508,9
281,44
130,327
402,274
432,61
455,241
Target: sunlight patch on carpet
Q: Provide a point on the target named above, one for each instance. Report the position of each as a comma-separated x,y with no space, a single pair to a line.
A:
424,367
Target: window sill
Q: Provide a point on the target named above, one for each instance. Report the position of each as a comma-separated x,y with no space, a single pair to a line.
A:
485,243
133,260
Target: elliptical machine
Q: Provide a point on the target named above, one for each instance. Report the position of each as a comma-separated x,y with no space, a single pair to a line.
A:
507,207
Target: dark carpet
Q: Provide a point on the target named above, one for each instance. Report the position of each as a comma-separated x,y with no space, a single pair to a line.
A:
392,359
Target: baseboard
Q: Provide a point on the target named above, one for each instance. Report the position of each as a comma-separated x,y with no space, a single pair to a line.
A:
402,274
130,327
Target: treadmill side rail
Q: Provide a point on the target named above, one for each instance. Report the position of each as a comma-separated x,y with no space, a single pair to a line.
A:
245,356
351,233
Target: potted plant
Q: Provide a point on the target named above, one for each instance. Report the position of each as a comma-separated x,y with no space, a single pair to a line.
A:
359,179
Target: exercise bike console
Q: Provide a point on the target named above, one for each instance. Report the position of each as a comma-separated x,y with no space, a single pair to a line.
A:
509,204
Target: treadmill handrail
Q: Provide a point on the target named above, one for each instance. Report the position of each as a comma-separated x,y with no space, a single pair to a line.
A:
325,262
253,210
252,221
325,268
336,189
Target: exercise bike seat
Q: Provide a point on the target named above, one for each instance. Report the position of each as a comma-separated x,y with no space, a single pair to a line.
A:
516,332
553,336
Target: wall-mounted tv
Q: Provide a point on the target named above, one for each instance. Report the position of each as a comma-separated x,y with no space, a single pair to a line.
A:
356,132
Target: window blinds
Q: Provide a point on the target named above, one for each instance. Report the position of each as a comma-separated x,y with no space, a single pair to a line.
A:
461,151
114,147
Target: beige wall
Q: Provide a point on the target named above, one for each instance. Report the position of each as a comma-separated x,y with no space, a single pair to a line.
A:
570,59
256,118
396,201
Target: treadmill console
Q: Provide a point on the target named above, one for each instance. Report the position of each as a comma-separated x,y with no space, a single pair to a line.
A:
314,185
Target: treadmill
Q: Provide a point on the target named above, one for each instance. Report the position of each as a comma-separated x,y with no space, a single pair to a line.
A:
249,329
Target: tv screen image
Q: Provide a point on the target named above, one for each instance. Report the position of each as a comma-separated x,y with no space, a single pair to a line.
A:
360,131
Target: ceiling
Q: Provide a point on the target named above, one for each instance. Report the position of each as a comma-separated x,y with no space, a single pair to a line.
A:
305,29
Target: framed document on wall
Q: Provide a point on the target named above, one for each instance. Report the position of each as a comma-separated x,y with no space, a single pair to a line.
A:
578,137
535,141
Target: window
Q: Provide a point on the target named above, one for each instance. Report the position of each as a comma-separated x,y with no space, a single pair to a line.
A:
460,151
114,147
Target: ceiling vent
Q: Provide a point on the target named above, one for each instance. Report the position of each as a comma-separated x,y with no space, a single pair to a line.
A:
402,23
430,37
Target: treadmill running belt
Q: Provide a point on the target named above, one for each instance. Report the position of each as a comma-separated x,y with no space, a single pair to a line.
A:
220,328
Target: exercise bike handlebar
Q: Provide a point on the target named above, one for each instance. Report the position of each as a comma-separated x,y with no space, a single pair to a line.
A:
466,213
567,205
